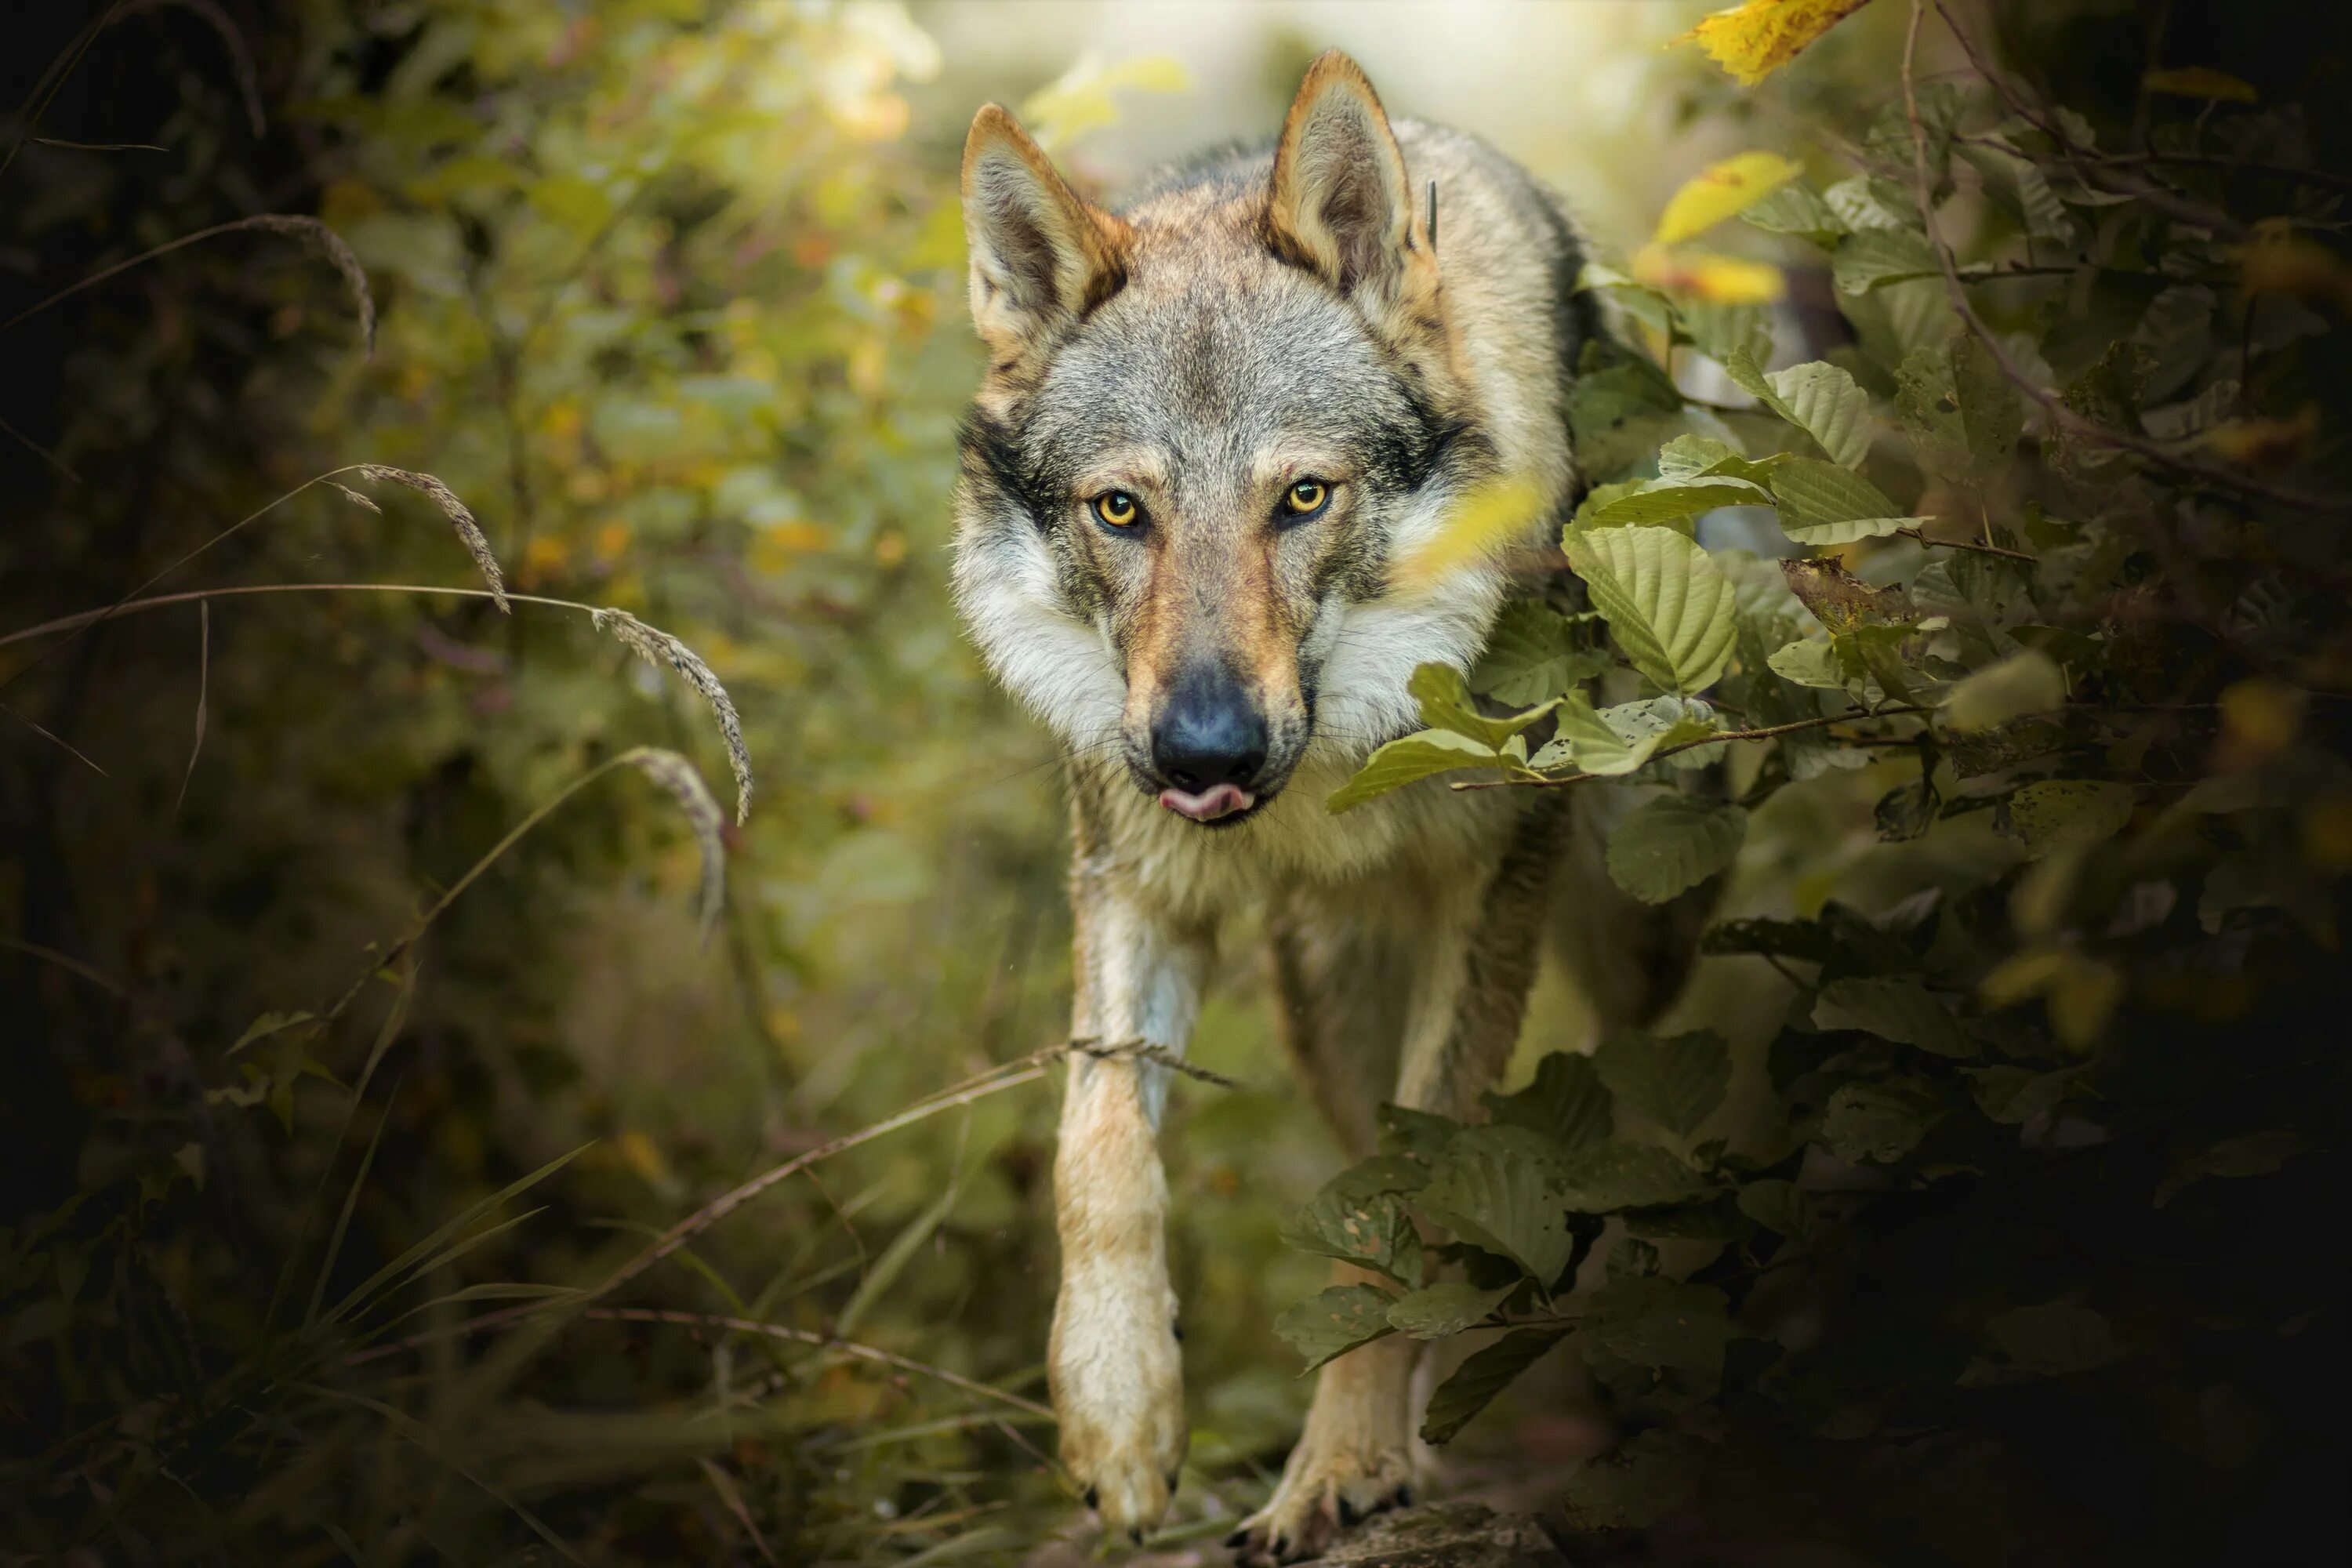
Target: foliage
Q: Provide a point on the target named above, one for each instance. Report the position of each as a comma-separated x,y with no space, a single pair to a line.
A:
2058,579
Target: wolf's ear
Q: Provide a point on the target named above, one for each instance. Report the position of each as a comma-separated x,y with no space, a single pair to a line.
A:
1040,253
1340,199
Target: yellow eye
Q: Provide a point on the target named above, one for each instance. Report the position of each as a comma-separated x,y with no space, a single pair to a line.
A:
1118,509
1306,498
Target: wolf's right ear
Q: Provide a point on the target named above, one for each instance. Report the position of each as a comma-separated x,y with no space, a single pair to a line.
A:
1041,255
1342,201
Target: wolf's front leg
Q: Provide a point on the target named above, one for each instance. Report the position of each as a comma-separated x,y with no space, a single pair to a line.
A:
1113,1365
1471,969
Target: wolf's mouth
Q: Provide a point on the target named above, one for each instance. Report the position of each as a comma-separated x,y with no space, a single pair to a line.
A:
1218,803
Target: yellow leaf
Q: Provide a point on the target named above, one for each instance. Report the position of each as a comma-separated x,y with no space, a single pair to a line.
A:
1724,190
2199,82
1754,40
1719,279
2279,262
1482,525
1080,100
2265,442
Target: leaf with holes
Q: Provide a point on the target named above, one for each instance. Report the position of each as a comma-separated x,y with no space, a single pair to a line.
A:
1566,1102
1673,843
1667,605
1446,1309
2057,812
1331,1323
1498,1204
1486,1373
1675,1080
1610,1176
1373,1231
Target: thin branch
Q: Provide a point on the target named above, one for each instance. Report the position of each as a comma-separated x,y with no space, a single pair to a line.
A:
38,450
824,1341
1765,733
46,733
1914,534
203,695
2055,405
133,607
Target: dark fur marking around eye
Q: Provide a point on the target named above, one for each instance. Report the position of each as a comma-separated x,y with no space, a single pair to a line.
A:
993,443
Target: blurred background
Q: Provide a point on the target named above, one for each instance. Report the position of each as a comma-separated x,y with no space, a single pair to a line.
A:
671,294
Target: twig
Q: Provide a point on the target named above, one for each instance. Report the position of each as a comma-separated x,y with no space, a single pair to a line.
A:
46,733
1145,1050
807,1337
2049,400
204,696
1913,533
1765,733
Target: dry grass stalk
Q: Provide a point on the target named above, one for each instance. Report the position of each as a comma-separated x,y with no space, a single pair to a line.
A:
658,648
677,775
345,260
356,498
476,543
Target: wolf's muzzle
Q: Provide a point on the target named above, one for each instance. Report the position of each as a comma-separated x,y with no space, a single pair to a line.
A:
1208,745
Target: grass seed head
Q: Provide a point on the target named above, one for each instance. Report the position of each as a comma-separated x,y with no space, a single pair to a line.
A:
658,648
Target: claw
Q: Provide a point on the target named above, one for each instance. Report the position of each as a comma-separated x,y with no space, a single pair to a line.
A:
1348,1515
1094,1497
1238,1539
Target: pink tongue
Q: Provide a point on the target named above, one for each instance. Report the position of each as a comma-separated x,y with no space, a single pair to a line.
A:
1217,801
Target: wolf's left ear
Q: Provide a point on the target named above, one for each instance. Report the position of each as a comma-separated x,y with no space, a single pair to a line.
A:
1341,200
1041,255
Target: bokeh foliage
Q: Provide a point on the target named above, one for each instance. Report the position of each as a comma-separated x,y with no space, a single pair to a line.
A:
670,296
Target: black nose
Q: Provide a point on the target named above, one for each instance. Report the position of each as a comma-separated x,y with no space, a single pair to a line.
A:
1209,733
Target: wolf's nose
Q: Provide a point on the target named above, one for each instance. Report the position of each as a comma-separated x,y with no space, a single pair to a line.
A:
1210,734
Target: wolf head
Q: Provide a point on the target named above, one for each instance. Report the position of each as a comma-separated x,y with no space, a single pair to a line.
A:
1207,426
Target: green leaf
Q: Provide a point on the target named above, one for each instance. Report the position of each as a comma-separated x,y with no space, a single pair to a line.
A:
1672,844
1651,1478
2055,1338
1817,397
1874,257
1406,761
1779,1206
1670,502
1498,1204
2250,1155
267,1025
1992,414
1416,1133
1610,1176
1688,458
2058,812
1331,1323
1373,1231
1809,661
1566,1102
1675,1080
1650,1320
1445,698
1881,1121
1621,738
1667,605
1900,1010
1380,1173
1822,503
1533,656
1797,208
1486,1373
2027,682
1438,1310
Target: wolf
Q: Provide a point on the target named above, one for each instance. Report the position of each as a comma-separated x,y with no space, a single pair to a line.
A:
1212,422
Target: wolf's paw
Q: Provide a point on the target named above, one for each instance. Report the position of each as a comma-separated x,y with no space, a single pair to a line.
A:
1118,1394
1322,1494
